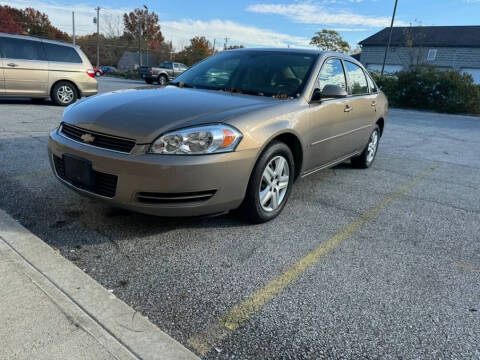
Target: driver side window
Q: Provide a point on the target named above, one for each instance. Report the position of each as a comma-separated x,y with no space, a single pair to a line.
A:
331,74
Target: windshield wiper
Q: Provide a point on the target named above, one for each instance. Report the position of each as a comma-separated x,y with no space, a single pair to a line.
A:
181,84
241,91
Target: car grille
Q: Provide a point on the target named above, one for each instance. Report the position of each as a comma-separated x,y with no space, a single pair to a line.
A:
104,184
174,198
99,140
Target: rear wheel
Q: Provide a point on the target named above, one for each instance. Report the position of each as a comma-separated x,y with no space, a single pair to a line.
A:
64,93
162,80
367,157
270,184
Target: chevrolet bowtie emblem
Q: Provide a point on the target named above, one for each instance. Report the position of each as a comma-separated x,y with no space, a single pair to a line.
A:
88,138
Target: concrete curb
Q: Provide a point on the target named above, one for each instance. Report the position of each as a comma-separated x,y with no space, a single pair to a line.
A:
122,331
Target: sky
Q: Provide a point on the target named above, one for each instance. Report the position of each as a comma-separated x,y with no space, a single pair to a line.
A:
261,23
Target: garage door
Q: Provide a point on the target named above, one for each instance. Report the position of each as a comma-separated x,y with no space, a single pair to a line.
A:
388,68
474,72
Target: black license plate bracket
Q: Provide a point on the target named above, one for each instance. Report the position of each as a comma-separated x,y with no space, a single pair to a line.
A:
79,171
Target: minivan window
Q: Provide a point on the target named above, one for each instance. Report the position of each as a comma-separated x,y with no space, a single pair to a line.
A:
332,74
21,49
358,82
61,53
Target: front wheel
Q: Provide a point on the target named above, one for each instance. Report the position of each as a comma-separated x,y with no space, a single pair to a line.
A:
270,184
366,158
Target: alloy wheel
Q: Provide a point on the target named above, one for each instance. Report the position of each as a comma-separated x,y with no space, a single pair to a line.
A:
65,94
274,183
372,146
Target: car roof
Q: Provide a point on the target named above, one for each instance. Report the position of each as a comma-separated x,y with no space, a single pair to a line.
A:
35,38
321,53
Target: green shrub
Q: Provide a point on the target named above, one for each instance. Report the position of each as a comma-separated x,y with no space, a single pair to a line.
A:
431,89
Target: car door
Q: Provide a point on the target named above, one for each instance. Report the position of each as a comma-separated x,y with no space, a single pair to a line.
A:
329,119
363,103
24,67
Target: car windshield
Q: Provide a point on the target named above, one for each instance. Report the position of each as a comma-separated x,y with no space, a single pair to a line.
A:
263,73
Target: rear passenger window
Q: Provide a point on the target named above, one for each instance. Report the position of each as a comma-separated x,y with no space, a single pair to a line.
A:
21,49
371,84
61,53
358,82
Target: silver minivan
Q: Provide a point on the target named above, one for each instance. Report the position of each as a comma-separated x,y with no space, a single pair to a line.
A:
38,68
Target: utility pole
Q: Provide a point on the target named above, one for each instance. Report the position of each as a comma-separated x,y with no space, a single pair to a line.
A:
73,27
139,43
98,35
214,41
145,18
226,43
389,36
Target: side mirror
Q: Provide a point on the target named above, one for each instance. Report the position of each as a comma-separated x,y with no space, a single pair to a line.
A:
333,92
329,92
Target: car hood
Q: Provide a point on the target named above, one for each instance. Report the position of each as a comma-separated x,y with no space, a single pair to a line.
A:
144,114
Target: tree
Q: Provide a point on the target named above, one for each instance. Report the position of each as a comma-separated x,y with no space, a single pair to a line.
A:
199,49
33,22
414,39
8,23
148,22
330,40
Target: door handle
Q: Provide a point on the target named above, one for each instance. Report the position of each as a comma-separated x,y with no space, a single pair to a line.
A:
12,64
374,103
348,108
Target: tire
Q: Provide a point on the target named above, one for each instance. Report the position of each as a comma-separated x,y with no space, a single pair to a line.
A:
367,157
98,74
149,81
259,186
162,80
64,93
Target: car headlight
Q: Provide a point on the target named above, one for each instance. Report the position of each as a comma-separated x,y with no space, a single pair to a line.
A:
197,140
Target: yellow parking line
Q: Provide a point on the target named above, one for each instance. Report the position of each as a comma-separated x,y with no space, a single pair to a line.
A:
216,332
469,268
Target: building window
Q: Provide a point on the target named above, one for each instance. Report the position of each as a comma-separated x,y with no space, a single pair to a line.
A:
432,55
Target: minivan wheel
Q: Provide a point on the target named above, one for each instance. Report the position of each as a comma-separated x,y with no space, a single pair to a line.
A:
162,80
270,184
64,93
367,157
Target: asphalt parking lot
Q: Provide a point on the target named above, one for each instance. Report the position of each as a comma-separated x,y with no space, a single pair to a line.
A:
378,263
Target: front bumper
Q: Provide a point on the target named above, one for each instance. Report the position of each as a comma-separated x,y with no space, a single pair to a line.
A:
225,175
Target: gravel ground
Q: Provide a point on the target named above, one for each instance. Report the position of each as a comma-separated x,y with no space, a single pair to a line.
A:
405,285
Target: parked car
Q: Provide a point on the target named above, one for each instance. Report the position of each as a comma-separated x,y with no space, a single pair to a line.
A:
107,69
162,74
38,68
207,144
98,71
